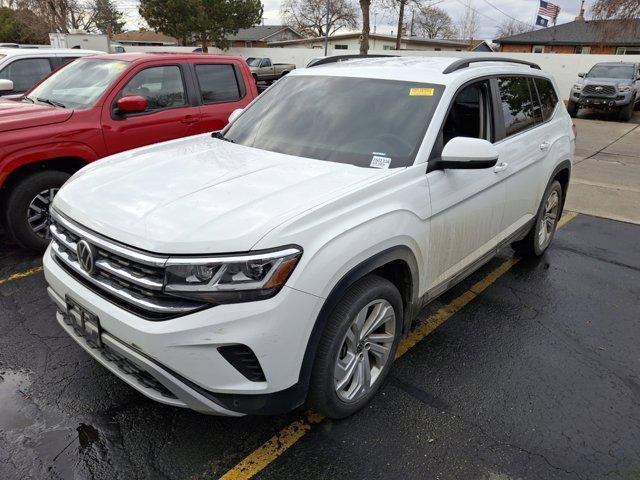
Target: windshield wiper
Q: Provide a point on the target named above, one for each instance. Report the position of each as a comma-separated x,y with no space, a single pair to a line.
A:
53,103
219,136
27,98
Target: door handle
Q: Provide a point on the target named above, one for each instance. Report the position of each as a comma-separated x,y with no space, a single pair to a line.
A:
544,146
189,119
500,167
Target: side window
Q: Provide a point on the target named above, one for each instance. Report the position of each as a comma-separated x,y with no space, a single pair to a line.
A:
26,73
266,62
517,107
162,87
470,114
217,83
66,60
548,97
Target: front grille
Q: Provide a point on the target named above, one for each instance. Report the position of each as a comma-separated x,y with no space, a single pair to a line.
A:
602,90
129,278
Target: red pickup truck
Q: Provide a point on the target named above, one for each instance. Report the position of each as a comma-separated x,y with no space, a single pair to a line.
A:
101,105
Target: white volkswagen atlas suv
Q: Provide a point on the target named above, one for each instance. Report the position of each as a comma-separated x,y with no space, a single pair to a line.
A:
281,260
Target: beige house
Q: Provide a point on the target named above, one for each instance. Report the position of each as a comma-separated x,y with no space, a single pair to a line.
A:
351,43
146,38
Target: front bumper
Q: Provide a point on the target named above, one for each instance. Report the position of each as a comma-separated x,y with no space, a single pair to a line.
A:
177,361
619,100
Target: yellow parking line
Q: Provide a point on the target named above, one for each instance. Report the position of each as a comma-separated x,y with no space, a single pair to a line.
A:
16,276
288,436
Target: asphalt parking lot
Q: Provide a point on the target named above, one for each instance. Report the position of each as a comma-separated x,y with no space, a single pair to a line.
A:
526,370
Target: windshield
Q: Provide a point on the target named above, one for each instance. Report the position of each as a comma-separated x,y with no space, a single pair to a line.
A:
79,84
611,71
253,62
361,121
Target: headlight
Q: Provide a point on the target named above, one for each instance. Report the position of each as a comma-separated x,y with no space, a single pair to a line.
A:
624,88
233,278
577,86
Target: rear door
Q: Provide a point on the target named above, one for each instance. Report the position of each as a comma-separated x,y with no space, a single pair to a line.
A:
169,114
526,143
222,89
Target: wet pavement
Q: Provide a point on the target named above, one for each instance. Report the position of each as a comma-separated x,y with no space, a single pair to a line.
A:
536,378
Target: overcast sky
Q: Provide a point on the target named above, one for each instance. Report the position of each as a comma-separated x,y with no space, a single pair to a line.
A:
491,13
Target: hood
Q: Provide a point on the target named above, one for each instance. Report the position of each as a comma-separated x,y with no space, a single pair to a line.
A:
606,81
201,195
16,115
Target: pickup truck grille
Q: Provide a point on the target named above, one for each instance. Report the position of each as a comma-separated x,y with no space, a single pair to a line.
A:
129,278
604,90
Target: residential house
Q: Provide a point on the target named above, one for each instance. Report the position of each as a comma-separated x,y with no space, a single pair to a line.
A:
145,38
261,35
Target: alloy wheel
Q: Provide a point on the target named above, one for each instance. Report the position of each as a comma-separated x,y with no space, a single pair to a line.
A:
365,350
549,218
38,214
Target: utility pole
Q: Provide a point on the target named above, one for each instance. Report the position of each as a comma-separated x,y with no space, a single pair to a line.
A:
326,31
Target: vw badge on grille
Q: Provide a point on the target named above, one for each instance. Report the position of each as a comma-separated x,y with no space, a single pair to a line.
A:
86,254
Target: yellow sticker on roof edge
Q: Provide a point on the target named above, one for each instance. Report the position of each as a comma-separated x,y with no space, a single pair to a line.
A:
421,92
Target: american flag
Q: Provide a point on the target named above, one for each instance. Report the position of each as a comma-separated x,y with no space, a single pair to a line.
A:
548,9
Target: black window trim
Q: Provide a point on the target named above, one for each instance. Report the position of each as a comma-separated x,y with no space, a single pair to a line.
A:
188,104
535,125
239,83
52,66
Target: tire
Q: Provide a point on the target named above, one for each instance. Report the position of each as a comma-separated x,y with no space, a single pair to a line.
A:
39,188
536,242
626,112
371,294
572,108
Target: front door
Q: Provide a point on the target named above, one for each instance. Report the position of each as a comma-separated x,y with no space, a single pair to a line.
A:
467,205
168,115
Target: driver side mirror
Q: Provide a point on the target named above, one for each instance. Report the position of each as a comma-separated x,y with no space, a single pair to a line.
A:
6,85
468,153
235,114
131,104
582,75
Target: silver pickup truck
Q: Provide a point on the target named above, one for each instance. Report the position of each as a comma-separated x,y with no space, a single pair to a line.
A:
611,86
263,69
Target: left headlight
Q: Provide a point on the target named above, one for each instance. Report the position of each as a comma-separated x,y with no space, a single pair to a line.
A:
233,278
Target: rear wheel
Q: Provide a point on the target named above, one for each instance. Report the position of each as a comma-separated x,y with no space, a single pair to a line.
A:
572,108
545,223
27,208
357,348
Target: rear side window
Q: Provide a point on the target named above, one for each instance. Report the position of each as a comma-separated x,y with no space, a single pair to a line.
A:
548,97
162,87
218,83
26,73
517,104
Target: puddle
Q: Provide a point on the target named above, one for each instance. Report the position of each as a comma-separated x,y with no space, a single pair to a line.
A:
14,401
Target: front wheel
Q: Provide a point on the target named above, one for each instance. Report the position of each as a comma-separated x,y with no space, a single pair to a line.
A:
545,223
27,208
572,108
357,348
626,112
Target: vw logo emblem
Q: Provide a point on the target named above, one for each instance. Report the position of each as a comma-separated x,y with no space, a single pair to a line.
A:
86,254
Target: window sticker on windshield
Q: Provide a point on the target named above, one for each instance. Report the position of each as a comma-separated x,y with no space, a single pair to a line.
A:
421,92
118,66
380,162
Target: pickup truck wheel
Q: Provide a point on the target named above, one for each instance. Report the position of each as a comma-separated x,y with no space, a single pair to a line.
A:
544,226
626,112
357,348
572,108
27,208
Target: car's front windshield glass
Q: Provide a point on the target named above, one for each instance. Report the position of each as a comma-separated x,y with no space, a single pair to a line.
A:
78,85
253,62
361,121
611,71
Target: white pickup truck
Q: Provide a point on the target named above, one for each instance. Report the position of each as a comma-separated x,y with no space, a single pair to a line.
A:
263,69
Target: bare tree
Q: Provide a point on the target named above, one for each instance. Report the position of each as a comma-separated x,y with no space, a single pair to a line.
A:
511,27
434,22
66,15
624,14
365,7
309,17
468,24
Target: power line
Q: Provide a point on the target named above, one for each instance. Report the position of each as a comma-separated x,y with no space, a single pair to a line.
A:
505,13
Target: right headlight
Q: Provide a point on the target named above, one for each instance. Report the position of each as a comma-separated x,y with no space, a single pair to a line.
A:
233,278
577,86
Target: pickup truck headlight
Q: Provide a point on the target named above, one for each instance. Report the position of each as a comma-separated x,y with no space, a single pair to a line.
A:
577,87
624,88
233,278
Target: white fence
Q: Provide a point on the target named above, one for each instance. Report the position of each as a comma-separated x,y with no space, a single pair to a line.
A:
564,67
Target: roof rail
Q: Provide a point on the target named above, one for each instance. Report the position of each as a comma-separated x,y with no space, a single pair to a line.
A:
465,62
341,58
